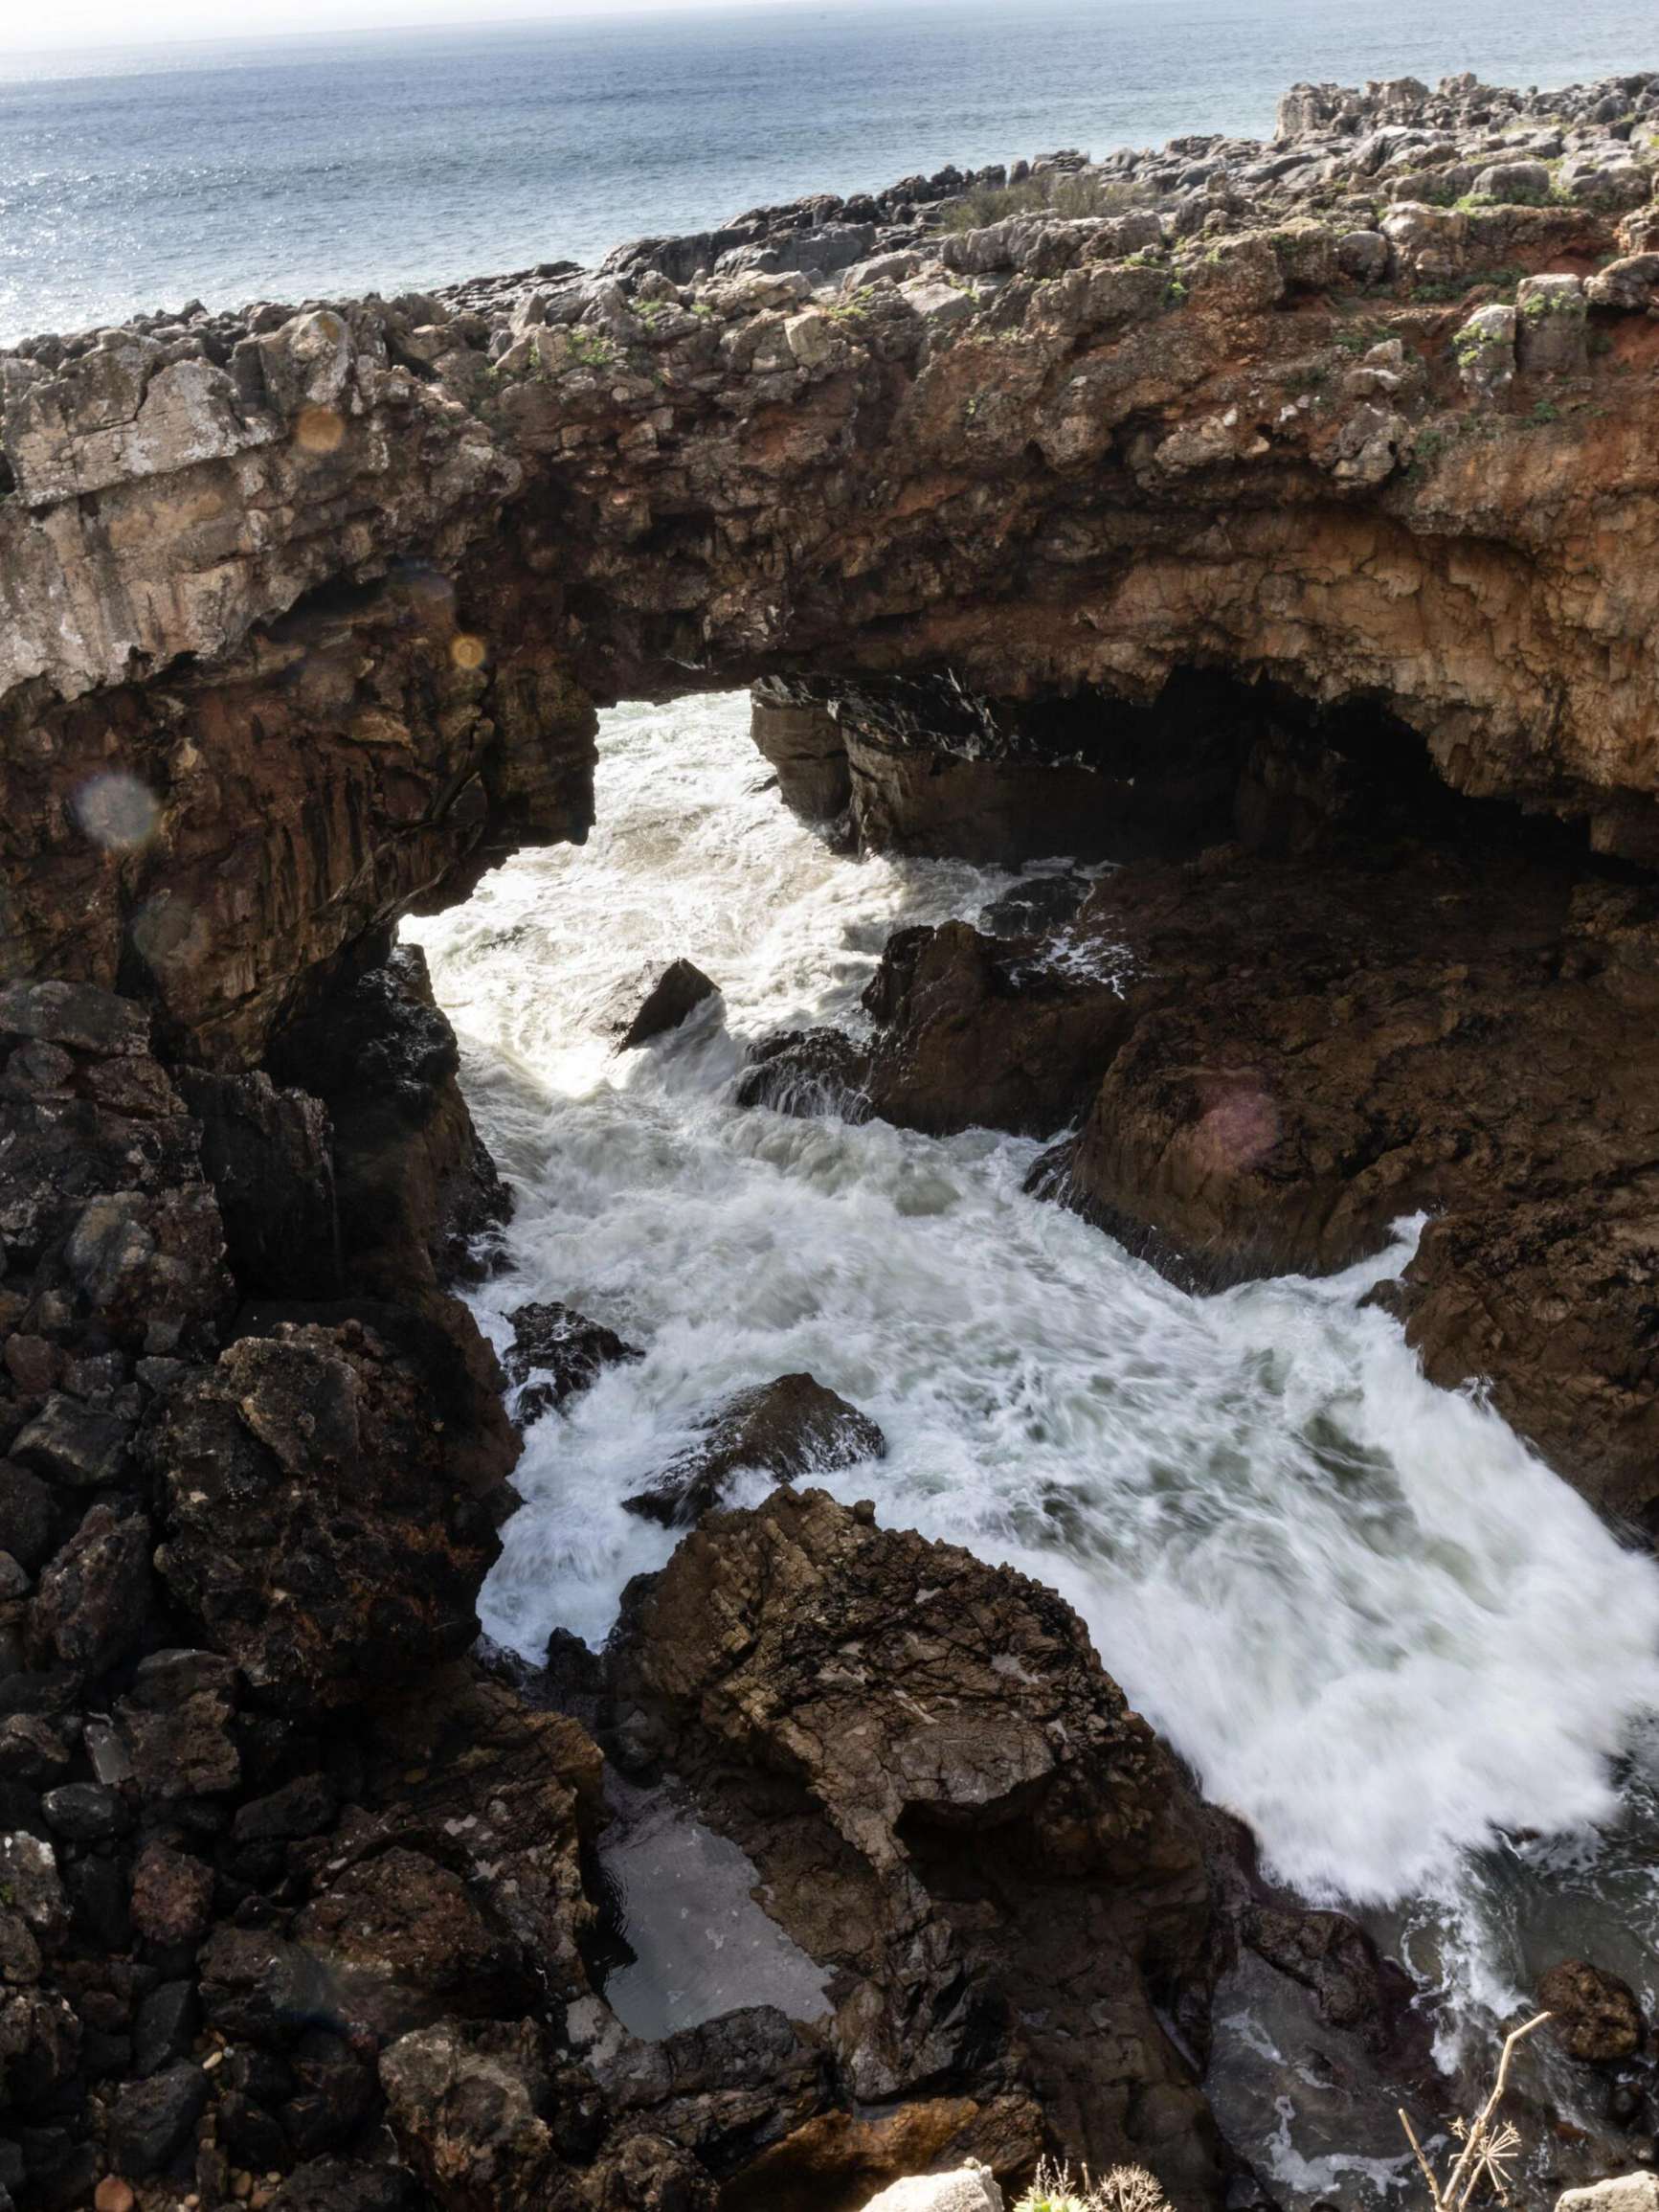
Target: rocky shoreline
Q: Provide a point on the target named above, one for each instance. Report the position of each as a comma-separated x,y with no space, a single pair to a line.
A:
1277,519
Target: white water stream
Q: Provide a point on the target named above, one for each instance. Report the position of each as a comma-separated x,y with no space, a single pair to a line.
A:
1378,1627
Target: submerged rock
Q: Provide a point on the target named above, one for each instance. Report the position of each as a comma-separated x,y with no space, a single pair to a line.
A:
807,1072
556,1352
787,1429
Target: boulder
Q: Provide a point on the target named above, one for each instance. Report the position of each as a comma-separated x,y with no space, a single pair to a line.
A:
97,1600
556,1352
1629,285
402,1941
74,1014
881,1722
747,1627
346,2185
807,1072
1485,351
1593,2016
1623,2193
1551,338
1520,183
642,1009
470,2107
785,1429
1363,256
172,1897
74,1445
970,2189
151,2121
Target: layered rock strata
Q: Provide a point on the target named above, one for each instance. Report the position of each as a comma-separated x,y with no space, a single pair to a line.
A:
307,609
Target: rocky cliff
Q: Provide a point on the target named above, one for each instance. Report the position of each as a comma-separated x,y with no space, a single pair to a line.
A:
306,610
1263,514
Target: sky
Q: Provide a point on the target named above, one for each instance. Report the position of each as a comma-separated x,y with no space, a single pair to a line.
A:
71,25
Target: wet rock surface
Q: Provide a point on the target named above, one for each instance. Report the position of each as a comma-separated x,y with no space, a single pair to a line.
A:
1593,2015
787,1430
556,1352
1265,1061
645,1009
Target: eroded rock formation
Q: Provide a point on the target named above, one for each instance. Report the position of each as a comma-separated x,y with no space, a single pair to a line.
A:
306,610
306,615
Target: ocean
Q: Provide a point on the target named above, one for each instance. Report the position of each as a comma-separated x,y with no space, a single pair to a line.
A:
323,166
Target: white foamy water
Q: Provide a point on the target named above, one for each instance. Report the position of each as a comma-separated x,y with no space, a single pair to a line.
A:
1378,1627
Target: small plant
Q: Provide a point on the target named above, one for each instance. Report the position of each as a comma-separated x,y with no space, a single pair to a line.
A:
1124,2189
1543,411
1487,2149
1057,193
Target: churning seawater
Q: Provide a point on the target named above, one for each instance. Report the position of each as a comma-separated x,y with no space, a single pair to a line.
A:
1380,1629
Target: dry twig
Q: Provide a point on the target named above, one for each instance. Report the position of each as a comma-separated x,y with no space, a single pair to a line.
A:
1486,2150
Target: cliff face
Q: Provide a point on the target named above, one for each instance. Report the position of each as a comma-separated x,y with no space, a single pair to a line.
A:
304,613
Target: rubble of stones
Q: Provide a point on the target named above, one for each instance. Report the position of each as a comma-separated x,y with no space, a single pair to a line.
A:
1407,182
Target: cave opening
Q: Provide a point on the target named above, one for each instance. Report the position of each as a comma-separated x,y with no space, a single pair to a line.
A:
926,768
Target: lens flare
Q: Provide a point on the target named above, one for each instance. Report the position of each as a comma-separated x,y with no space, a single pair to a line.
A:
116,811
318,430
167,933
467,652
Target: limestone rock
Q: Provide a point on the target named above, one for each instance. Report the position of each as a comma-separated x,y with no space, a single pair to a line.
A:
1549,326
970,2189
1623,2193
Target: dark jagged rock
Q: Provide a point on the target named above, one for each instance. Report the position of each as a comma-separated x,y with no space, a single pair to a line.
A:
346,2185
151,2120
311,1457
268,1154
1035,904
97,1603
973,1031
416,1186
1266,1063
867,1713
670,1000
786,1431
556,1353
807,1072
